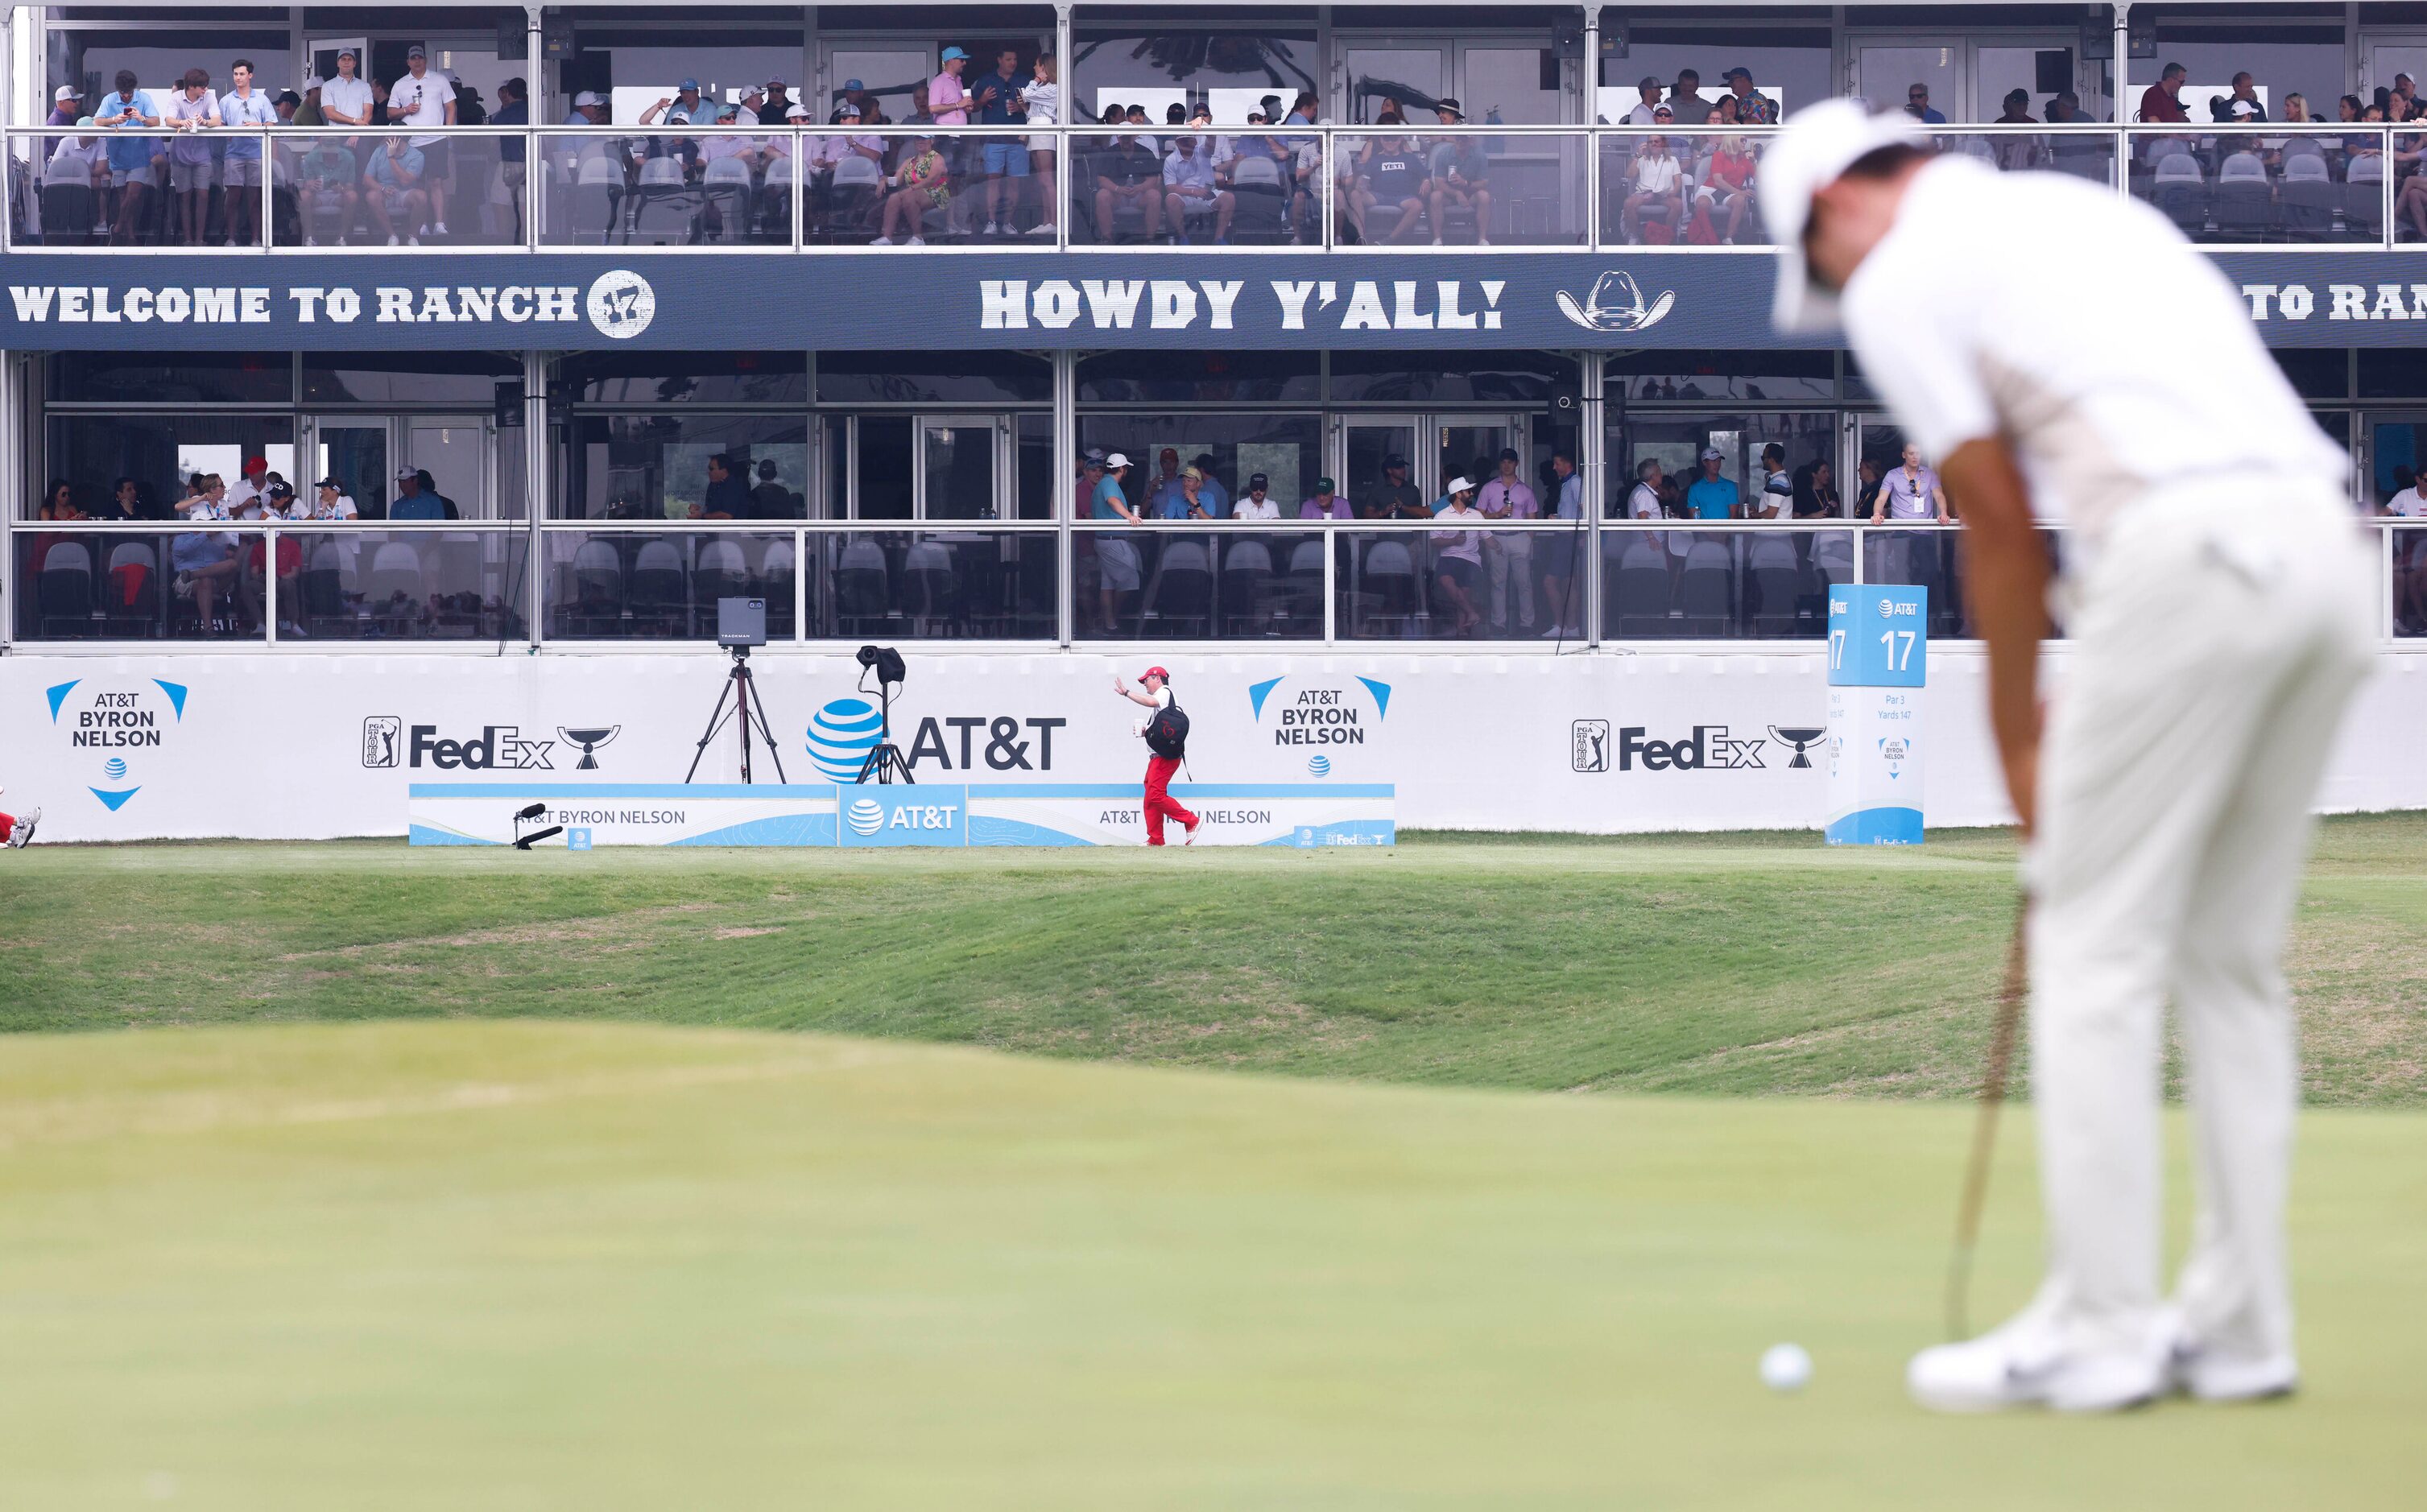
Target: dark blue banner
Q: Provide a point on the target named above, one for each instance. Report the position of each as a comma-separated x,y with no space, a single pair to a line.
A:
1150,300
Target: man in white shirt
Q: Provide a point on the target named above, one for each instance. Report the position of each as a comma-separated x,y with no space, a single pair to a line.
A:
426,100
1254,504
2220,610
244,495
345,99
1641,114
2409,563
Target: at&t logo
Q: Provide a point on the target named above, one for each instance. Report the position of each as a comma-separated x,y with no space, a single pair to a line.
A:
866,816
921,815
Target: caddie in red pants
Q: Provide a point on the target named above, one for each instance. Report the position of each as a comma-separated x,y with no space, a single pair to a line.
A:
1165,732
16,833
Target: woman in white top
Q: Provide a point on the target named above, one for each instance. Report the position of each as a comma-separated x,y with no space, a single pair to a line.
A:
1656,176
1042,100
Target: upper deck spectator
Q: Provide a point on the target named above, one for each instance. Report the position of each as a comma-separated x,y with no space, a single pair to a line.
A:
1324,504
66,106
1395,498
345,99
426,100
1649,87
1916,104
1711,497
945,95
1192,191
2240,106
1688,105
1753,108
2163,101
1257,503
1910,491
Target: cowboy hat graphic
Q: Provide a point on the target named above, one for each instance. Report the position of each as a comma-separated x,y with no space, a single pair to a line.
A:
1616,304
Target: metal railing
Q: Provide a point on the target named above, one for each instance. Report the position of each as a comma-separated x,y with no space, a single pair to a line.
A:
1539,585
1434,187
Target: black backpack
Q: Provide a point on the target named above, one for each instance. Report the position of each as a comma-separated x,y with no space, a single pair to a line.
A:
1166,733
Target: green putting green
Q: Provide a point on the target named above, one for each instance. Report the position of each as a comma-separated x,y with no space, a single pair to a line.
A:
482,1266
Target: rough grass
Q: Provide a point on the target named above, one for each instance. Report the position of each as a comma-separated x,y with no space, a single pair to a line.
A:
1706,963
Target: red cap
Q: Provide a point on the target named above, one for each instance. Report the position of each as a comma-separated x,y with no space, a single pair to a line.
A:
256,464
1158,672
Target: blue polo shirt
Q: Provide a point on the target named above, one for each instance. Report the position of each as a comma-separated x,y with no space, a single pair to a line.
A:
1107,488
1712,498
997,111
128,154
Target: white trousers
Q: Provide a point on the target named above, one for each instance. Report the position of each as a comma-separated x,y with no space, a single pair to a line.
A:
2216,645
1508,567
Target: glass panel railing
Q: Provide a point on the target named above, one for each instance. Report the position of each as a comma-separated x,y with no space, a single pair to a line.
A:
1431,183
1759,582
685,187
1689,187
1234,583
397,188
645,585
1484,582
2284,184
120,187
2084,151
143,585
2407,565
400,585
1467,186
995,585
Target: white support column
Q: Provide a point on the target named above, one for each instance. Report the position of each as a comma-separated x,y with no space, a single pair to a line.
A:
1593,463
1591,116
2123,72
1064,163
12,492
536,458
1066,452
535,78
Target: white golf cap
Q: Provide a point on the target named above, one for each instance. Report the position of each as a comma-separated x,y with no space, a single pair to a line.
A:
585,100
67,91
1116,460
1807,157
1458,486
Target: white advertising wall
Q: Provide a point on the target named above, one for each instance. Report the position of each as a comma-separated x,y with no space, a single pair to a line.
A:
257,745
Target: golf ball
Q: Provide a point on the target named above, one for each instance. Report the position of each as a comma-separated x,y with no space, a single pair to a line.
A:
1785,1367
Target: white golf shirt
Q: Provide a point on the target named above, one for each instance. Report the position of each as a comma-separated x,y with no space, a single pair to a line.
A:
2147,378
2408,504
417,102
349,95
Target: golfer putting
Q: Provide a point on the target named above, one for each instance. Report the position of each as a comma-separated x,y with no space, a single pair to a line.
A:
2219,607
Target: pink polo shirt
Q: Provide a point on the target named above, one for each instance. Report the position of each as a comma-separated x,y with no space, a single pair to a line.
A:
947,101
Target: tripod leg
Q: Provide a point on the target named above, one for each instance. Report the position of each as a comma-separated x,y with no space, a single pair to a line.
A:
715,722
774,752
742,706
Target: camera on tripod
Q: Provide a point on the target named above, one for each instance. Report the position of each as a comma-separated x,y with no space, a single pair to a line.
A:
741,623
884,761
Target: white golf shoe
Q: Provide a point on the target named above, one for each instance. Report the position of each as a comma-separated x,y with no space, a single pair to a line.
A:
24,835
2219,1375
2027,1362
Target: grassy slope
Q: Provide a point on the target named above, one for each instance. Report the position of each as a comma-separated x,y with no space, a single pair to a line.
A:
1704,964
493,1266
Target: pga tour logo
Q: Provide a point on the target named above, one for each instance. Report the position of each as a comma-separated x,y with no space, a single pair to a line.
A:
622,305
